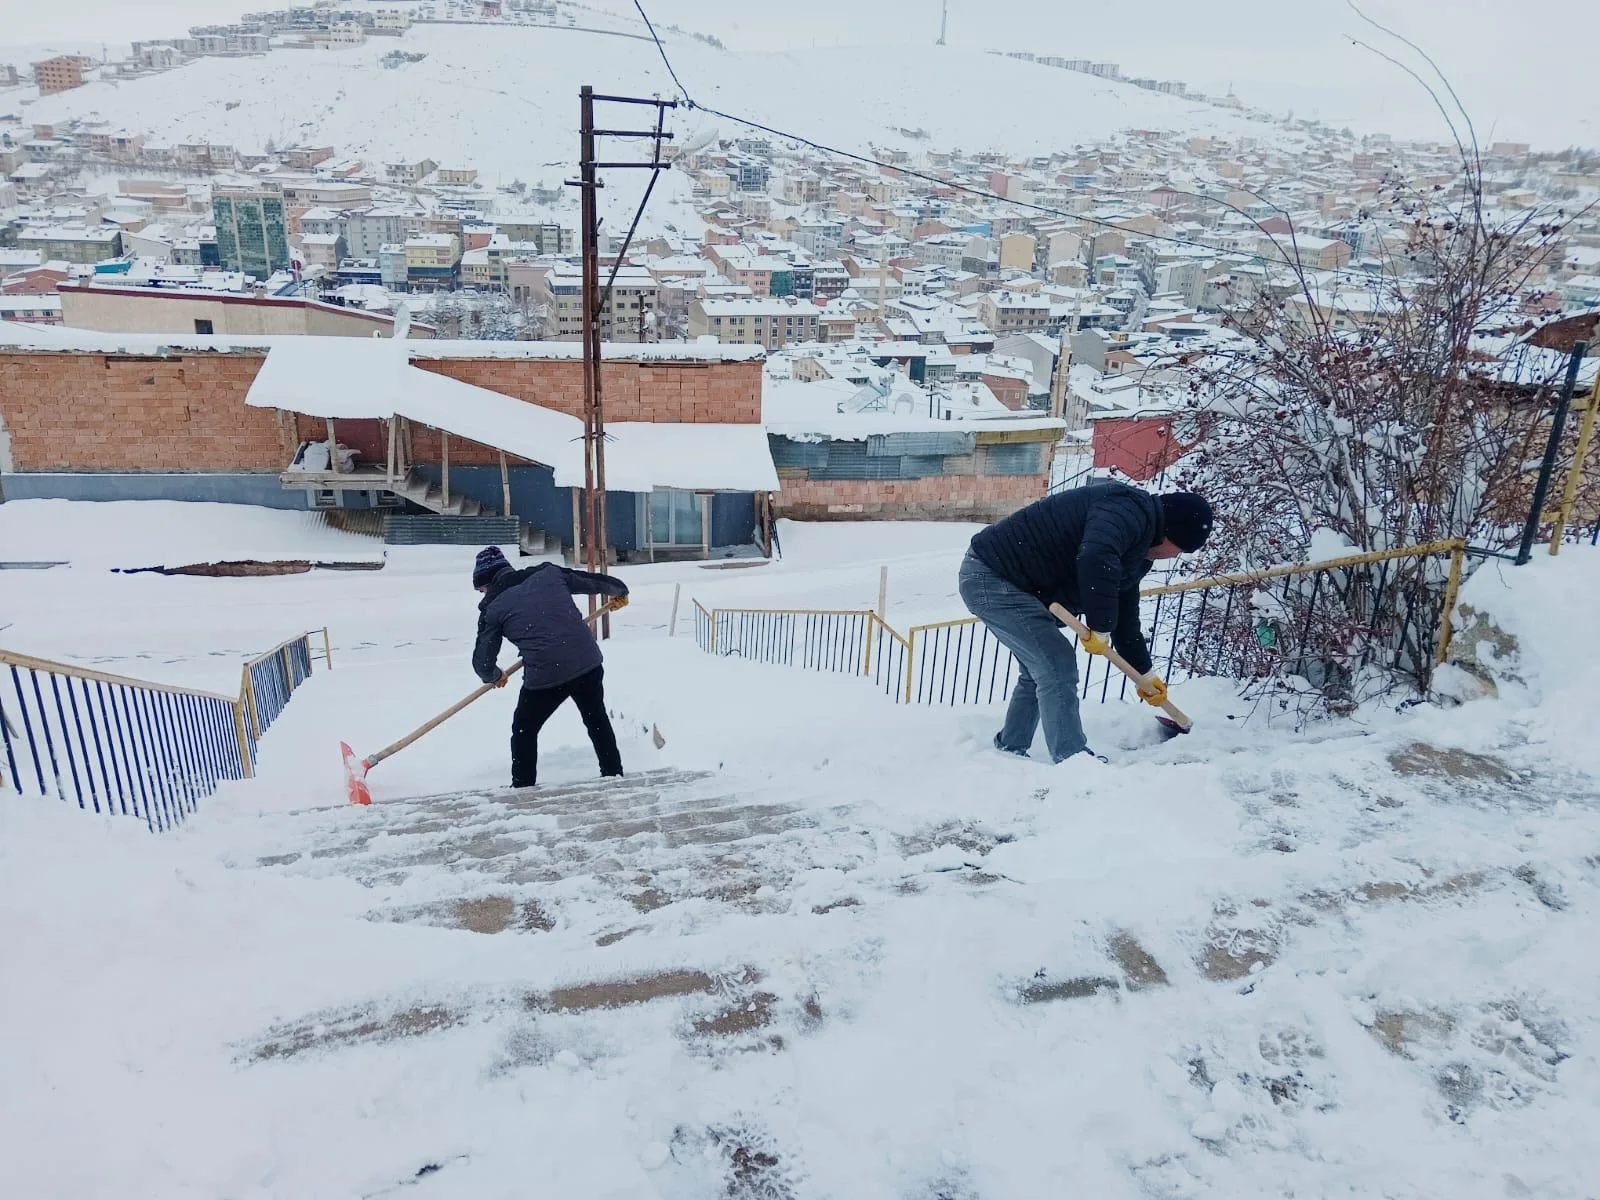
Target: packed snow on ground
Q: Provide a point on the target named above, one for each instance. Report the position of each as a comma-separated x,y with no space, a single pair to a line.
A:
861,955
146,533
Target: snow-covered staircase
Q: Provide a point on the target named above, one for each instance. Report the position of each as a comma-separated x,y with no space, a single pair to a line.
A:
589,856
429,495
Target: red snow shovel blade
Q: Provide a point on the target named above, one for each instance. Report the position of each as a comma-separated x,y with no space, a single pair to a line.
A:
1170,728
355,776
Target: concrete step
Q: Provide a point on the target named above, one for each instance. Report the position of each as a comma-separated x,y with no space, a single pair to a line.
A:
599,852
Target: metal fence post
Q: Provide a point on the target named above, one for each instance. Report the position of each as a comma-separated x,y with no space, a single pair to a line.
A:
1541,489
246,762
247,693
1446,618
1580,456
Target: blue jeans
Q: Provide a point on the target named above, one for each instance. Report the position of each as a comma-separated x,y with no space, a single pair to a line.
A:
1047,663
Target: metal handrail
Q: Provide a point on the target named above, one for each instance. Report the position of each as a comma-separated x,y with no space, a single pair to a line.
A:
979,673
140,748
11,658
1423,550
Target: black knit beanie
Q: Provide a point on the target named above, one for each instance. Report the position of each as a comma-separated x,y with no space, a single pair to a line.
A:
1188,520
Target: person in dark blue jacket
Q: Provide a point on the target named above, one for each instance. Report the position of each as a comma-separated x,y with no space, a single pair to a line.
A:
1086,549
533,609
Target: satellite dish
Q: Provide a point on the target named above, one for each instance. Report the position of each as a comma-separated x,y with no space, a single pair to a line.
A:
698,140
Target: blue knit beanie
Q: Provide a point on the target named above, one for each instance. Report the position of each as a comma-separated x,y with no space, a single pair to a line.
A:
489,562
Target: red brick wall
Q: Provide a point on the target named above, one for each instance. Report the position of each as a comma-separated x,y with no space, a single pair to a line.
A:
720,393
98,412
94,412
935,497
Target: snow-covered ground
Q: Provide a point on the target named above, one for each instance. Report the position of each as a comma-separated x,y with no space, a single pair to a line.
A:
818,945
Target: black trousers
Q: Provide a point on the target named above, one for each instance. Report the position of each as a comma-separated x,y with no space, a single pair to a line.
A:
536,705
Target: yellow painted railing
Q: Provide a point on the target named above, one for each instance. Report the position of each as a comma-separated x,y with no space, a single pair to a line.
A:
961,662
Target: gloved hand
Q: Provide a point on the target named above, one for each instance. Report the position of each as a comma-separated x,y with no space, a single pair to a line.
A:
1094,643
1153,691
617,602
503,680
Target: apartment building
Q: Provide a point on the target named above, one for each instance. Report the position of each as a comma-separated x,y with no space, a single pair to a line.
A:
1017,251
772,323
547,237
392,266
72,243
407,173
1014,312
433,260
121,146
634,295
252,233
368,231
304,158
61,73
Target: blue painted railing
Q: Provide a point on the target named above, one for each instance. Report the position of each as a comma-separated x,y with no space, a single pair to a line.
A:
128,747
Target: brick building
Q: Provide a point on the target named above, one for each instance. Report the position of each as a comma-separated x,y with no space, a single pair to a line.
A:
61,73
96,417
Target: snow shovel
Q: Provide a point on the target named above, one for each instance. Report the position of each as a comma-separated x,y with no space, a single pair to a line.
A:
1175,722
355,769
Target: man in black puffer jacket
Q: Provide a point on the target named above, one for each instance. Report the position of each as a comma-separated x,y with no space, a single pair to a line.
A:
560,658
1085,549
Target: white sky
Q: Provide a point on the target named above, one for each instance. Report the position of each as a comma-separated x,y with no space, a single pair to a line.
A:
1521,68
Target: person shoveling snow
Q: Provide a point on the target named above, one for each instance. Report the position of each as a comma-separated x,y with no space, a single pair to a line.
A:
1085,550
561,660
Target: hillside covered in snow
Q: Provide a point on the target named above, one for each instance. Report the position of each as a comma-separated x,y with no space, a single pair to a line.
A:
504,98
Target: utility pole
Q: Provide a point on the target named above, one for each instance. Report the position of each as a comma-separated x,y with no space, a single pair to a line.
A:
595,549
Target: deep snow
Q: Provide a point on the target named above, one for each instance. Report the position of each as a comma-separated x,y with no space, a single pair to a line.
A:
1353,962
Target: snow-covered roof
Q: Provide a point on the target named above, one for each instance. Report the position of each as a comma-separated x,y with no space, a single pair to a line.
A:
32,337
641,455
759,308
372,377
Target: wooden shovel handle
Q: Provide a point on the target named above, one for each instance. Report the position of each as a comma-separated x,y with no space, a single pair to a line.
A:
1122,664
477,694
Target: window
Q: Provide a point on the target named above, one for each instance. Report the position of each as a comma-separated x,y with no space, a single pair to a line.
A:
671,518
203,326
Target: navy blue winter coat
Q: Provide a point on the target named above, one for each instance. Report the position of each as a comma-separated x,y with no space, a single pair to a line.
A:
533,609
1086,549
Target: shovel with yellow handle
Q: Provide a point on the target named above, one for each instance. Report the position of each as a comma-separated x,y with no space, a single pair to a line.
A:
1152,689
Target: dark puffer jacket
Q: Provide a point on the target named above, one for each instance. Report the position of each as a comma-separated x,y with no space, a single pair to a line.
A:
1085,549
534,610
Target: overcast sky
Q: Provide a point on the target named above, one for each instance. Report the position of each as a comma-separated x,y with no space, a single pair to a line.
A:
1522,69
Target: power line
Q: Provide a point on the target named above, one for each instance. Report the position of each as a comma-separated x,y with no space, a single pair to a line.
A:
657,39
